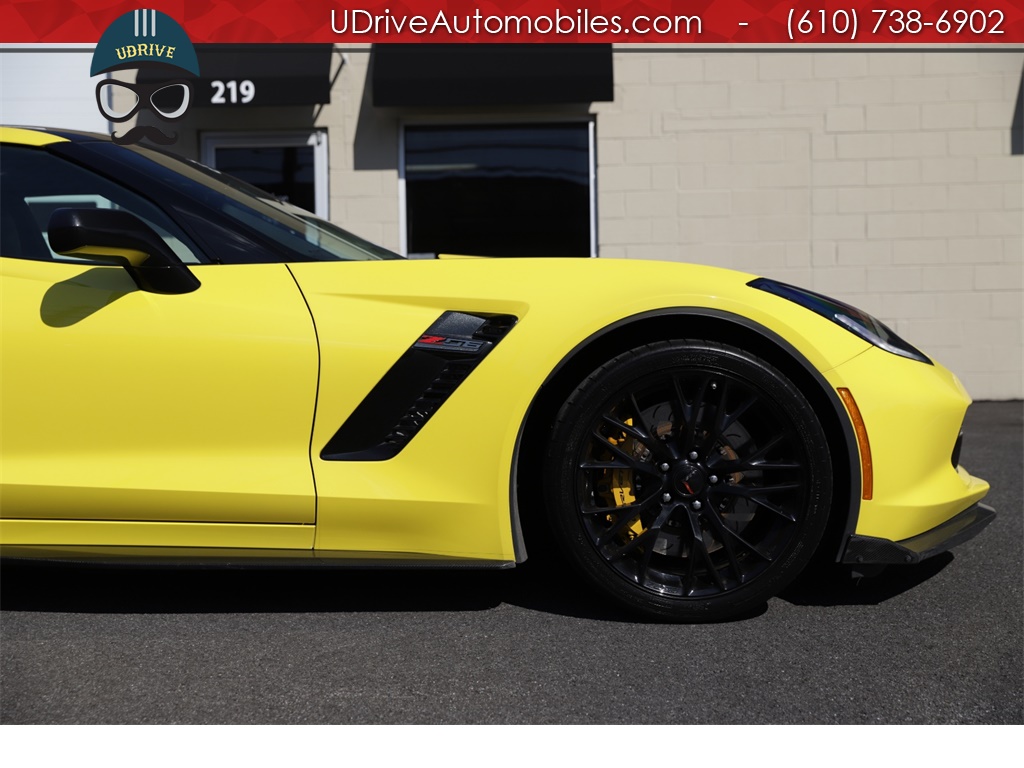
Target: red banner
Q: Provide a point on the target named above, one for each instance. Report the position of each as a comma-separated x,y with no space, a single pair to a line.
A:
674,22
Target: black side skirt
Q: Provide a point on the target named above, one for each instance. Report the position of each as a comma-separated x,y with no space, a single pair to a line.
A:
212,557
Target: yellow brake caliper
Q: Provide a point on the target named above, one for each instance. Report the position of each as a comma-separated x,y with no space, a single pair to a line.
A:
617,489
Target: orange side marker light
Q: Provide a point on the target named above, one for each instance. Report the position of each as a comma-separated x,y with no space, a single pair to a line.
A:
866,471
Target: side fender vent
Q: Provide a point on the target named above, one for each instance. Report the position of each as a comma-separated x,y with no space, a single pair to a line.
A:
416,386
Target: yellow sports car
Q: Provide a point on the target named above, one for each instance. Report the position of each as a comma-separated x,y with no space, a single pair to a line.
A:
196,372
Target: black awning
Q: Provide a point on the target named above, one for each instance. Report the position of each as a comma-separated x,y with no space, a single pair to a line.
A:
490,75
249,75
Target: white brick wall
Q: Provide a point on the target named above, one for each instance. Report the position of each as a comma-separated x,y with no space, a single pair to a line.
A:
885,179
882,178
370,185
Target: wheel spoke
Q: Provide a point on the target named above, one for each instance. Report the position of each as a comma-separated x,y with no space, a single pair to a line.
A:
632,544
605,465
652,532
730,532
694,416
648,427
698,539
749,462
622,426
717,524
775,508
625,515
688,580
630,461
644,565
631,509
609,534
748,491
680,402
718,424
728,467
753,494
724,420
656,446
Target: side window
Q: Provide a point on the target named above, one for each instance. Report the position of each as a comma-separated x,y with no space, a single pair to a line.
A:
34,183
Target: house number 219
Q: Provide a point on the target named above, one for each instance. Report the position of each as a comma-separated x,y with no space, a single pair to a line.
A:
237,92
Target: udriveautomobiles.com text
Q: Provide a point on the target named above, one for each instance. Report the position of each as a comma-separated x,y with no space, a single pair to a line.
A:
583,22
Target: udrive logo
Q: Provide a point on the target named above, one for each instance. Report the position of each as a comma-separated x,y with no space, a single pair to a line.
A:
154,43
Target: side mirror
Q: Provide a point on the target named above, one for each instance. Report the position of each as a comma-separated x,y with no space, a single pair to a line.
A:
118,237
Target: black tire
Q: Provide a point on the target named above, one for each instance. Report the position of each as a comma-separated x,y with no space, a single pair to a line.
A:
688,480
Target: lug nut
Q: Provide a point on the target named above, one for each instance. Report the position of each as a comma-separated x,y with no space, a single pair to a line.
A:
693,455
666,497
664,467
713,479
696,505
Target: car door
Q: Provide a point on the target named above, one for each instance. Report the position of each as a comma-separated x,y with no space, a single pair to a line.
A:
120,404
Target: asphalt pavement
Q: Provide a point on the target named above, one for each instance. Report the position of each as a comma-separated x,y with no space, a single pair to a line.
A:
937,643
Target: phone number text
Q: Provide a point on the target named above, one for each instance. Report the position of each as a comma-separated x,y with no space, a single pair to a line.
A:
847,23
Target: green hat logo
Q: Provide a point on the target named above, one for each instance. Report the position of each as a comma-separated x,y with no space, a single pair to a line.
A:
144,38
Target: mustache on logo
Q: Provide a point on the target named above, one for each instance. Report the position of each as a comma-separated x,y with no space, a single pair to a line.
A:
140,132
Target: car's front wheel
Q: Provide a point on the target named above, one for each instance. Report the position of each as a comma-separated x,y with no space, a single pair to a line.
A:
689,480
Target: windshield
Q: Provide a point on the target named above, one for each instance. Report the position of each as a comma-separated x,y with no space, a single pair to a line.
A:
303,235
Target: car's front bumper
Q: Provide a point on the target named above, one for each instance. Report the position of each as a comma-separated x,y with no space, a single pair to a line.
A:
868,550
919,500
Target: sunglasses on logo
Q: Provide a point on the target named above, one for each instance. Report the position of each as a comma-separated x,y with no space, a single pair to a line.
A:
120,101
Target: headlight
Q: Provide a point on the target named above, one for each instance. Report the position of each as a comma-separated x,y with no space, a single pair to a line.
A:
852,319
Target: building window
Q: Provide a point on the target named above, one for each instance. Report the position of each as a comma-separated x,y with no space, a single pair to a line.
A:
499,190
290,166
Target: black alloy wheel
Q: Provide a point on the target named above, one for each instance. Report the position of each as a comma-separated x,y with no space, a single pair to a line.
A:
689,480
